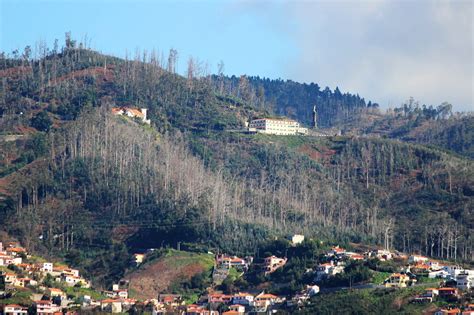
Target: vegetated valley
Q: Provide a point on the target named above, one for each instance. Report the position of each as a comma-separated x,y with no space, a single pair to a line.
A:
90,188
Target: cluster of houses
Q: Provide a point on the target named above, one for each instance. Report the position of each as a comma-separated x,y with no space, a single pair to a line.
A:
270,264
13,254
116,300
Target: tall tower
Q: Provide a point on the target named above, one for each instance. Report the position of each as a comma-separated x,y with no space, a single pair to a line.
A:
315,118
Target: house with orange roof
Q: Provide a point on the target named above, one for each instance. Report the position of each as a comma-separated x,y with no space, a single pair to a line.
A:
132,113
194,309
354,256
449,293
336,251
53,292
10,278
15,251
231,261
231,313
173,300
219,298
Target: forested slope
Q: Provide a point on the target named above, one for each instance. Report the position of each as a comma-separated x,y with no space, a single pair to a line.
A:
80,182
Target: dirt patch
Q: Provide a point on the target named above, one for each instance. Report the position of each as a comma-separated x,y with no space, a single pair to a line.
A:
16,71
98,72
156,277
322,155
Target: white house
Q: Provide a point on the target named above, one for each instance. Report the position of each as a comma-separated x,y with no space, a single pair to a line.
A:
453,270
438,274
46,307
417,258
297,239
465,280
243,299
14,309
312,290
47,267
327,269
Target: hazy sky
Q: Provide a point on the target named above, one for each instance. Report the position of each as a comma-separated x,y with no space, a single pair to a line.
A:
385,51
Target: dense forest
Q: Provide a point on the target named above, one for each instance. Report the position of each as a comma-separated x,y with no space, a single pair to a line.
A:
79,181
293,99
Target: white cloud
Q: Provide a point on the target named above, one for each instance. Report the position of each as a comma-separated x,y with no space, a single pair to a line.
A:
384,50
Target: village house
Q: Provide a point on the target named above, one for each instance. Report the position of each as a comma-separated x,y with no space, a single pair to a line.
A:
438,274
46,267
465,280
383,254
10,278
354,256
336,251
243,298
194,309
111,305
173,300
240,309
138,258
72,281
450,293
272,263
276,126
46,308
14,309
132,113
5,260
23,282
232,261
15,251
417,258
397,280
429,295
55,292
453,271
326,270
218,298
296,239
263,301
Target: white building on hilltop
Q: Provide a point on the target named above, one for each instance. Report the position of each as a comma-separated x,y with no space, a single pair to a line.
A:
275,126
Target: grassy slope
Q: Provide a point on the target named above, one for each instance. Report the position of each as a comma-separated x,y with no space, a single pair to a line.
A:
157,275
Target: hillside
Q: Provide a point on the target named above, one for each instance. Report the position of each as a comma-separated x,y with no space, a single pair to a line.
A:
167,272
97,187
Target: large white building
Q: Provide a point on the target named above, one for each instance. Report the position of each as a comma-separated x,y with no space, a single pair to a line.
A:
276,126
